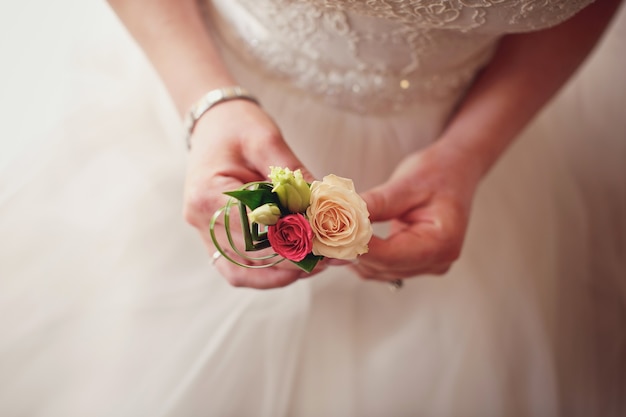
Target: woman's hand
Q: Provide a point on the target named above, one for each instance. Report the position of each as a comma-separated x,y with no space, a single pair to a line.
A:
235,143
427,200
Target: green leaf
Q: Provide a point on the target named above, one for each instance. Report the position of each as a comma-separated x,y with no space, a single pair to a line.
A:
255,198
308,263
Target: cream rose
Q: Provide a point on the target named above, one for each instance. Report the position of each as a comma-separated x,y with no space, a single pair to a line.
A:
339,219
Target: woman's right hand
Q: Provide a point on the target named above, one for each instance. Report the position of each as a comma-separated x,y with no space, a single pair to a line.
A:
235,143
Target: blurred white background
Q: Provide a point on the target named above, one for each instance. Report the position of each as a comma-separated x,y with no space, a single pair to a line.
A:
37,39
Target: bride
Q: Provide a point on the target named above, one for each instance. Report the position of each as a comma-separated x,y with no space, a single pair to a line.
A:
513,295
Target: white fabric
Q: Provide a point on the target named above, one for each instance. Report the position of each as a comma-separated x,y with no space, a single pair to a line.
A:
378,55
109,305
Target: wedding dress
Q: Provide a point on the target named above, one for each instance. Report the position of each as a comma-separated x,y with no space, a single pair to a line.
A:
110,306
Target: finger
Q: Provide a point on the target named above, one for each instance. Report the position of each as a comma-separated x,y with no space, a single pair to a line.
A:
407,268
379,272
397,249
339,262
414,250
200,202
434,234
392,200
238,276
270,149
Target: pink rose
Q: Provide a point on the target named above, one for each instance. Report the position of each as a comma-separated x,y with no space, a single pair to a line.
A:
291,237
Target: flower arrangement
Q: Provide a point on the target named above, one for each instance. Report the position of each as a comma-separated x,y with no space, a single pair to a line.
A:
301,222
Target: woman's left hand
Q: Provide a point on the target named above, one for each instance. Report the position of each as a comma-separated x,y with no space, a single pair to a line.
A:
427,200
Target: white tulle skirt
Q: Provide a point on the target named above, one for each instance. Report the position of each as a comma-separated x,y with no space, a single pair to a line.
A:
109,305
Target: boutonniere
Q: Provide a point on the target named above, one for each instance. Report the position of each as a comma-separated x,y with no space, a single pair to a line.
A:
301,222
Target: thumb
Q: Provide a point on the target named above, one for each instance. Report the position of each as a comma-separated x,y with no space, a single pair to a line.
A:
272,150
285,158
279,154
385,202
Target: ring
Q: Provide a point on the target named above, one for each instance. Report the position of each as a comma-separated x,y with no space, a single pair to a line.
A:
395,285
215,257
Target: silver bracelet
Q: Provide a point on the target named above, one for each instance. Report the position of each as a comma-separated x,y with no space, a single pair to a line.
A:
209,100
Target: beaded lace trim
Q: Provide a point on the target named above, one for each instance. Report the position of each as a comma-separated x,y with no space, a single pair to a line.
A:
375,55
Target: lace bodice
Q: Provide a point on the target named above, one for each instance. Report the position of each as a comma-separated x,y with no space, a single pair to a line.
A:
370,55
